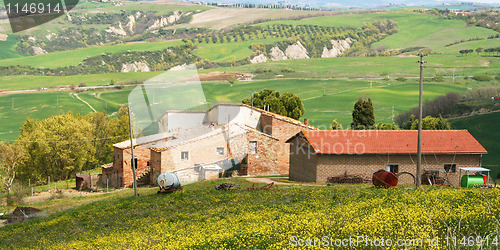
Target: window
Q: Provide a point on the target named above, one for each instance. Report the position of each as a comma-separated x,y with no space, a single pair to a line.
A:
135,163
450,168
392,168
185,155
220,151
149,163
252,147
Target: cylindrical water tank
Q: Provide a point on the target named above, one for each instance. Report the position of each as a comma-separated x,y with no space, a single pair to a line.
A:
385,179
471,180
169,180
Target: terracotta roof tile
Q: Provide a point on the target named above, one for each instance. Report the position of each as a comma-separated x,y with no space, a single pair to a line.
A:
392,141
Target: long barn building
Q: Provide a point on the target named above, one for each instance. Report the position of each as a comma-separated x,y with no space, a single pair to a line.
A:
316,155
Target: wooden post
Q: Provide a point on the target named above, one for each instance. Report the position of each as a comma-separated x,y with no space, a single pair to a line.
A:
132,152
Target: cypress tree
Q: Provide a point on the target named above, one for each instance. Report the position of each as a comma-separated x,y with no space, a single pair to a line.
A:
363,115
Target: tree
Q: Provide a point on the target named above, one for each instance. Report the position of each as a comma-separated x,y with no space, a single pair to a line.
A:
106,131
432,123
232,80
287,104
363,115
387,126
10,155
59,147
335,125
293,105
478,50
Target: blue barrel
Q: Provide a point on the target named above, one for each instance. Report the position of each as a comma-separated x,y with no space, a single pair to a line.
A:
471,180
169,181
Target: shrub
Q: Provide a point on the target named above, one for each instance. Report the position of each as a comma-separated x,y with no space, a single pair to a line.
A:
438,79
401,79
17,196
482,78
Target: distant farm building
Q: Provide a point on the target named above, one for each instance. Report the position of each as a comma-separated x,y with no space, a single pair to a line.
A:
236,138
316,155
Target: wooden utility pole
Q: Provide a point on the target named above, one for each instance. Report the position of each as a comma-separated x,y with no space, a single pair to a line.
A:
419,147
132,151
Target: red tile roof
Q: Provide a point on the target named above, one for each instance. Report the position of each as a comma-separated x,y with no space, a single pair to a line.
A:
392,141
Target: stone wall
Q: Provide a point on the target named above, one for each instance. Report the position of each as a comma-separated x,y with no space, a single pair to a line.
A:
265,161
200,151
121,174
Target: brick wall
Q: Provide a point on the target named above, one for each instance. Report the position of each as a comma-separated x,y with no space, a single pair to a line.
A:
282,130
265,161
266,124
155,167
122,165
366,165
114,174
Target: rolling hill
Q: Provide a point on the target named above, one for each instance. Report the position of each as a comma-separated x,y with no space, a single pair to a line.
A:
485,129
329,86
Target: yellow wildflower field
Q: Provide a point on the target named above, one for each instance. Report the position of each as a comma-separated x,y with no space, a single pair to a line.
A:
338,216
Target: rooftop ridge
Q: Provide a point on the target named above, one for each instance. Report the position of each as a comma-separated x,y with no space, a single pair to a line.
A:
391,141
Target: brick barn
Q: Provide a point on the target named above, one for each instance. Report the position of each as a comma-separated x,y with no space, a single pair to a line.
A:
189,140
316,155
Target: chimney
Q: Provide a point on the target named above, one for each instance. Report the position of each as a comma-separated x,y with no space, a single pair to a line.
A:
305,121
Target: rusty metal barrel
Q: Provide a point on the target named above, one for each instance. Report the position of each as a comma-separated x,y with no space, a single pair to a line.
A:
385,179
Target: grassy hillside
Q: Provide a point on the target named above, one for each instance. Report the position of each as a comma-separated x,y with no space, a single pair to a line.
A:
9,48
321,68
100,104
33,82
321,111
73,57
365,67
92,7
200,217
341,94
486,43
231,51
414,29
485,129
35,106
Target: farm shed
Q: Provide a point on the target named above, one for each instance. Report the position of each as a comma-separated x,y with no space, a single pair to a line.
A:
316,155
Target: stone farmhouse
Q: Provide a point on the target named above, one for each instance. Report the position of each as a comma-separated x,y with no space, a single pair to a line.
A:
316,155
227,137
